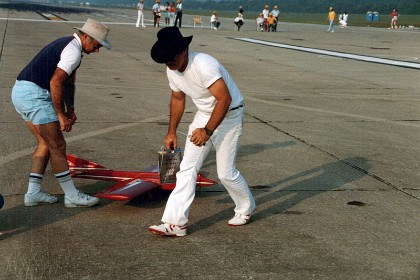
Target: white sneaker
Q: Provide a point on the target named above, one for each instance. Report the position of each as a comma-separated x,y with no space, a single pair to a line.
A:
33,199
239,220
168,230
80,200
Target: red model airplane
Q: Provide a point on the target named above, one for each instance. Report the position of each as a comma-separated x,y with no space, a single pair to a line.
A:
129,183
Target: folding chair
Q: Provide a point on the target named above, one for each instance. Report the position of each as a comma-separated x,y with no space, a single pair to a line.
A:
197,21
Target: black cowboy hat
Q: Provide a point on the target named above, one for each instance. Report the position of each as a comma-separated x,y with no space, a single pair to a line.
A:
169,44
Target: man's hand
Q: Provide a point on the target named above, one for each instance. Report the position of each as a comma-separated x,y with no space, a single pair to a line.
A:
71,115
65,123
171,141
199,137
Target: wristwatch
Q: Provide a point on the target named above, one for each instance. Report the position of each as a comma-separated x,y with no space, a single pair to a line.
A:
208,131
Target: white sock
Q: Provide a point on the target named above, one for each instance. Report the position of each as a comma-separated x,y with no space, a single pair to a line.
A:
34,184
66,183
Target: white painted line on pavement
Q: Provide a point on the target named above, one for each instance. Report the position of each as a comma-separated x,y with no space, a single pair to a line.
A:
335,54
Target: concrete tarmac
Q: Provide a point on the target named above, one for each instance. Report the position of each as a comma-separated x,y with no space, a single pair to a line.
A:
330,150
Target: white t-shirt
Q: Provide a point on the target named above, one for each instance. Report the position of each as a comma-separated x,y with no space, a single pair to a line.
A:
213,18
265,13
201,72
71,55
345,17
156,8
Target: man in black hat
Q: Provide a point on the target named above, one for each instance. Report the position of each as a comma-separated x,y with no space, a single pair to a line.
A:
218,123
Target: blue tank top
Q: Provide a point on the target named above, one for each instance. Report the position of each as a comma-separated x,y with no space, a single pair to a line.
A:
42,67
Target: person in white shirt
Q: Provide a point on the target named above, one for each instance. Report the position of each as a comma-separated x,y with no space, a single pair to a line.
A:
239,21
44,96
215,23
217,124
265,13
276,13
140,15
178,13
260,22
342,22
156,13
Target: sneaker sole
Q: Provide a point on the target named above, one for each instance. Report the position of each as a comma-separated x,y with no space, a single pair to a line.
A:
247,221
81,206
30,204
237,225
158,232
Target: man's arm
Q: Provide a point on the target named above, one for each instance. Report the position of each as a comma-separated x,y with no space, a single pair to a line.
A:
177,108
220,91
57,88
69,91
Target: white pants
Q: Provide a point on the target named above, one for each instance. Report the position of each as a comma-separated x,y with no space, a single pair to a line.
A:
225,141
140,18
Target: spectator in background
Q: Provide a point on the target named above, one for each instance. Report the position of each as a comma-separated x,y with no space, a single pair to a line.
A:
345,17
140,15
239,21
172,11
394,18
214,21
156,13
241,11
265,13
343,21
271,22
260,22
276,14
340,16
331,18
167,14
178,13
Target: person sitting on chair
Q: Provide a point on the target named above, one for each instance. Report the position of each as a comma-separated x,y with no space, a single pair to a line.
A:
214,21
260,22
271,22
239,21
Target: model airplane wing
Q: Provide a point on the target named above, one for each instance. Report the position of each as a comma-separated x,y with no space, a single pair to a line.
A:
129,183
126,190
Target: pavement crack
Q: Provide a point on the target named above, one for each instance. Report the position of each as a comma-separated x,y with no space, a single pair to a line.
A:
376,177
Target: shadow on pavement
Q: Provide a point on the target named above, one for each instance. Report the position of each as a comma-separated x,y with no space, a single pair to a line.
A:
327,177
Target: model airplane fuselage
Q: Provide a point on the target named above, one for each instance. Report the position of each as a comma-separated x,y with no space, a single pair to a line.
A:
129,183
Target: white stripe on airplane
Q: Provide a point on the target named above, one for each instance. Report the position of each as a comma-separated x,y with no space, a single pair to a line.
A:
103,177
336,54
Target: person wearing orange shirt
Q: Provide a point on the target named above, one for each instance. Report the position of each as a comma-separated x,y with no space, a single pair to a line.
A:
271,21
331,18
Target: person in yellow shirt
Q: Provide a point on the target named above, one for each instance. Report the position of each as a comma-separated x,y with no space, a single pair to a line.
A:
271,21
331,18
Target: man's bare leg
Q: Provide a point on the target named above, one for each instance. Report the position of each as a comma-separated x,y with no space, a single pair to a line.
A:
53,137
34,195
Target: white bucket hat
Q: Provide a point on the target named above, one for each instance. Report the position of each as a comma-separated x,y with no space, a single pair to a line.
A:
97,31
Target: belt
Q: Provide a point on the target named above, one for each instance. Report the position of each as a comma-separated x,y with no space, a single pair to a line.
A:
237,107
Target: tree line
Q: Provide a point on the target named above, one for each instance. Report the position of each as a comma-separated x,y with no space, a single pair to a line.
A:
407,7
311,6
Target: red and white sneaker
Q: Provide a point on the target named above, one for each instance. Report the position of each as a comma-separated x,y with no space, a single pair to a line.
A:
239,220
168,230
